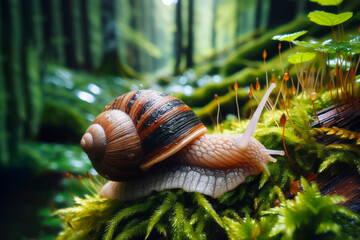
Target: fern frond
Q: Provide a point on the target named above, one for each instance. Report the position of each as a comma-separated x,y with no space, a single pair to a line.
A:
124,214
309,214
249,228
339,153
160,211
161,228
133,229
88,215
202,202
181,228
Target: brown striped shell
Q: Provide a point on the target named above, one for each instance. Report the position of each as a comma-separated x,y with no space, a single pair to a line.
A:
137,130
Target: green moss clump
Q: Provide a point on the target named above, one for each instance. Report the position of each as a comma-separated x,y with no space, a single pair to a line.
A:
180,215
61,123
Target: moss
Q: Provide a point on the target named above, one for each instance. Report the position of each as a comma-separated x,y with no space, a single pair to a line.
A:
61,123
181,215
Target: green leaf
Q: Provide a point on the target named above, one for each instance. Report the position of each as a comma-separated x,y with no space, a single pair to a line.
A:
289,37
329,161
329,19
320,47
327,2
309,215
162,209
346,46
301,57
201,200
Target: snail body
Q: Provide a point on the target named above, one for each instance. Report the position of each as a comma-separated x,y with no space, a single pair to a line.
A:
148,141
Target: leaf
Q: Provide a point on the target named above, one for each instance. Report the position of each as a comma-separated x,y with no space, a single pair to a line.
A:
345,46
162,209
201,200
123,214
289,37
263,180
327,2
320,47
309,210
301,57
329,19
325,164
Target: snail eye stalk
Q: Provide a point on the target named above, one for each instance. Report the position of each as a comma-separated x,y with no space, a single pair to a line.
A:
250,130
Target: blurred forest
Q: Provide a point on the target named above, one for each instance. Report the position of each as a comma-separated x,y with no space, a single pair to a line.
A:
62,61
127,39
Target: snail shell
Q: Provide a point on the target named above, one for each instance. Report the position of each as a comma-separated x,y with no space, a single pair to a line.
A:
143,128
137,130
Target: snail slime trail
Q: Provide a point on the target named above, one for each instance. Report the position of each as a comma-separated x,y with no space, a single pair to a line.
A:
146,141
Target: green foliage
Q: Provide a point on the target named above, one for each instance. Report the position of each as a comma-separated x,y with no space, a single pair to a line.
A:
290,36
69,158
63,122
329,46
187,214
301,57
340,153
88,216
310,215
249,228
328,2
346,46
329,19
317,46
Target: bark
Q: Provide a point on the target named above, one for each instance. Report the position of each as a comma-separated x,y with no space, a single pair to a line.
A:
178,37
190,47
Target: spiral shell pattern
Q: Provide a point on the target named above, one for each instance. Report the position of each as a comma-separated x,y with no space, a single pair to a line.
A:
164,123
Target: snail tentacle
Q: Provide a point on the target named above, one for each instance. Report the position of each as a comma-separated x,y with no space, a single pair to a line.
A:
250,130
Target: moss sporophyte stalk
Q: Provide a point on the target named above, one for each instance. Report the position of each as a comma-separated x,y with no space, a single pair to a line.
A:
284,201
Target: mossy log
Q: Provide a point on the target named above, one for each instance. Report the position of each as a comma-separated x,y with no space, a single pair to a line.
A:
253,49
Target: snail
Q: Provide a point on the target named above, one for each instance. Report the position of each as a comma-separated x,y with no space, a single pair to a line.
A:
147,141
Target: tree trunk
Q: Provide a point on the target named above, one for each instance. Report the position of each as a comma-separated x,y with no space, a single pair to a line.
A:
93,36
77,33
38,26
17,116
178,37
33,77
110,61
57,31
190,47
239,19
4,151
